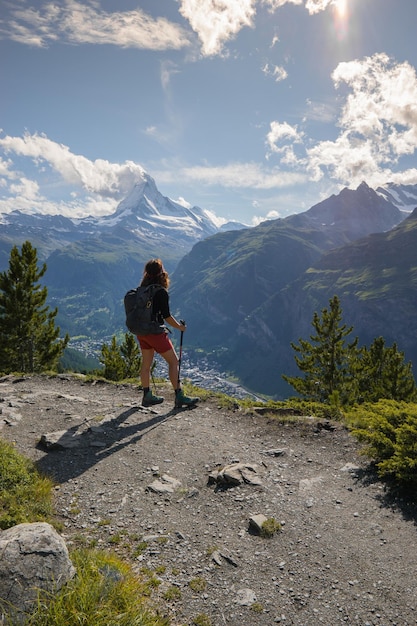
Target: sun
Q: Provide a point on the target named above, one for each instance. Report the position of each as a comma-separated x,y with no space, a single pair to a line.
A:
341,8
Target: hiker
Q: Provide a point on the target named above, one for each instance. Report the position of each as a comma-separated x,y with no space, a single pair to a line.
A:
155,274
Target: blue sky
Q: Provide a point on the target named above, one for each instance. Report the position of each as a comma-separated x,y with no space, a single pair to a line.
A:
251,109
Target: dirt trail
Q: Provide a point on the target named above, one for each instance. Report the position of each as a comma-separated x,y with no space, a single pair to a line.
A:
346,553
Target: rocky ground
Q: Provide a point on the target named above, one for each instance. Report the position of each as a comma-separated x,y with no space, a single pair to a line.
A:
146,483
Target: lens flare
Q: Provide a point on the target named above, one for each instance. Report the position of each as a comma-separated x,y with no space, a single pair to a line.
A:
341,18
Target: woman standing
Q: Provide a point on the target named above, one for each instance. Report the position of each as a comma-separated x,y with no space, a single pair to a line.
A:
155,274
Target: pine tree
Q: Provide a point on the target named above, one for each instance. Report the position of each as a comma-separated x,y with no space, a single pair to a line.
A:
114,365
326,360
121,361
383,373
131,356
28,335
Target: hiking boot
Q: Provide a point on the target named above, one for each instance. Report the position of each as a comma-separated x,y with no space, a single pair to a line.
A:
149,399
183,400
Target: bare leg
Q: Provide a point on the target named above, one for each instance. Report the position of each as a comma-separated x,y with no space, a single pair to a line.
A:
171,358
145,371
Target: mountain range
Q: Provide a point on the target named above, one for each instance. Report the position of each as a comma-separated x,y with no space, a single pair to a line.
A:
245,293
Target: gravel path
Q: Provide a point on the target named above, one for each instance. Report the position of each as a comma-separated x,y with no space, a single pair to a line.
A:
346,553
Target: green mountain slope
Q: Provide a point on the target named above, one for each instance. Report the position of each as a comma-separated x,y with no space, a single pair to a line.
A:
376,281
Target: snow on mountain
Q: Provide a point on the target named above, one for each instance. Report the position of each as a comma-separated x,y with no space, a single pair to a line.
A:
402,196
146,207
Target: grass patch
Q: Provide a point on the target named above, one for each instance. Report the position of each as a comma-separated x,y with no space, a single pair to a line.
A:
25,495
172,594
104,591
197,584
201,620
270,527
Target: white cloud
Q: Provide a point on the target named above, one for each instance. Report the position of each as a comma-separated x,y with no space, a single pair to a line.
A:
312,6
315,6
281,137
76,22
217,21
26,188
277,72
271,215
6,169
111,180
276,4
97,186
378,126
378,121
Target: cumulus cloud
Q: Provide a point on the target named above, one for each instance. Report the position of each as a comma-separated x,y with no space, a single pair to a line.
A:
78,23
97,185
378,121
217,21
378,126
281,138
111,180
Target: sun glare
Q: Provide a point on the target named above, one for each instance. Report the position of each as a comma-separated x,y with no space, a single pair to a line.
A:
341,8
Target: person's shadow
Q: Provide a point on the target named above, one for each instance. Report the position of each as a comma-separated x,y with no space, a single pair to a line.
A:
90,446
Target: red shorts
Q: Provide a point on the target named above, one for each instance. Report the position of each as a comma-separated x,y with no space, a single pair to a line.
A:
160,343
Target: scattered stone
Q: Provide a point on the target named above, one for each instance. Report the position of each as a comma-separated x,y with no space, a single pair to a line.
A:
217,558
164,484
227,556
256,522
350,467
61,439
219,555
307,484
245,597
275,452
236,474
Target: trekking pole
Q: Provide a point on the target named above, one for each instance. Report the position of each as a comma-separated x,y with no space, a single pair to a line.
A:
180,357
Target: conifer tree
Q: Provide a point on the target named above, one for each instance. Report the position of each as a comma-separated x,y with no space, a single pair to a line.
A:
326,360
383,373
131,356
114,366
28,335
121,361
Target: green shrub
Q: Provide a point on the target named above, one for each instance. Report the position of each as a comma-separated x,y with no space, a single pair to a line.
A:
389,429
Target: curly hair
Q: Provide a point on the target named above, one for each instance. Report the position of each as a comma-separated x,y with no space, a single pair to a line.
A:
155,274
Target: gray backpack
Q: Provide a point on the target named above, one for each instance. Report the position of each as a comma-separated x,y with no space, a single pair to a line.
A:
138,308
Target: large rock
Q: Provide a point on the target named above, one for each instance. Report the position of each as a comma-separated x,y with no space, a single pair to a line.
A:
33,557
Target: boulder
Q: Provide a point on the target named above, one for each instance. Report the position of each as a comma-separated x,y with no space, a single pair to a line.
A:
33,557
